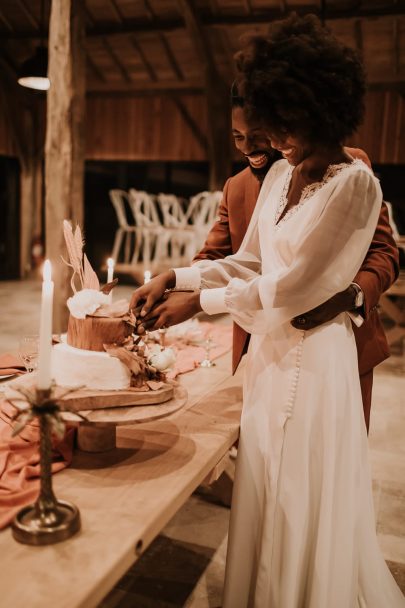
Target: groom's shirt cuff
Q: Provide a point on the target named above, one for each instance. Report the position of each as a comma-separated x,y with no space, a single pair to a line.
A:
212,300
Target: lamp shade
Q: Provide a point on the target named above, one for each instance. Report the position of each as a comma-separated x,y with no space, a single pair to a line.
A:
34,72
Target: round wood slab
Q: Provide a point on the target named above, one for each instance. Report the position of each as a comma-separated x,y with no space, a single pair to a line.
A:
86,399
116,416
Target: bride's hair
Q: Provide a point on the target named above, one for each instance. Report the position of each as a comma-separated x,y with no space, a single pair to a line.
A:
299,79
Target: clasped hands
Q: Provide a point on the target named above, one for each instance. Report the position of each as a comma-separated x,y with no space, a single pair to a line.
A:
155,306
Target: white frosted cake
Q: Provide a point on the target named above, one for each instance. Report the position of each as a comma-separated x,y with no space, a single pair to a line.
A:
91,369
99,351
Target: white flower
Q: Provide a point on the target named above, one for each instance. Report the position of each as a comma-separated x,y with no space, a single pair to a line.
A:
161,359
85,302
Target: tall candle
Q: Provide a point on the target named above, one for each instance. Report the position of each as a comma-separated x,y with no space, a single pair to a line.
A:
110,270
45,329
147,275
110,275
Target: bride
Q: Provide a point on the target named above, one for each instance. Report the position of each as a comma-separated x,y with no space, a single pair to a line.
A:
302,531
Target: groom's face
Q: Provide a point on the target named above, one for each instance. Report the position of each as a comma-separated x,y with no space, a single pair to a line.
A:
251,140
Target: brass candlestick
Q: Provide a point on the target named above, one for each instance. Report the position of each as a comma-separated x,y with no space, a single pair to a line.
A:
48,520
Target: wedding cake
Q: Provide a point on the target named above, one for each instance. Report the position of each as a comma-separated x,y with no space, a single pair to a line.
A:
99,351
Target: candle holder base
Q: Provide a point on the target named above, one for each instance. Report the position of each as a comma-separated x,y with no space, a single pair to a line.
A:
58,523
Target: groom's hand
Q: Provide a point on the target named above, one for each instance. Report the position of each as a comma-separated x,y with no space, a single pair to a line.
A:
173,308
341,302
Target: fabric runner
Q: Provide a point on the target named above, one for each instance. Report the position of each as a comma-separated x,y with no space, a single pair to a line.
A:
19,456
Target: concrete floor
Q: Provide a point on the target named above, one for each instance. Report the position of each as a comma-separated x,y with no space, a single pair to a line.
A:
184,566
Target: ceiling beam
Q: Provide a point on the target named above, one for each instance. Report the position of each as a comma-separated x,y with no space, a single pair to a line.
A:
172,59
358,36
131,26
146,63
29,14
6,22
93,68
116,60
117,11
397,48
136,91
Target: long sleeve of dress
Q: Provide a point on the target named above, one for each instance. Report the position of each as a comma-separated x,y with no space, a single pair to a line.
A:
328,249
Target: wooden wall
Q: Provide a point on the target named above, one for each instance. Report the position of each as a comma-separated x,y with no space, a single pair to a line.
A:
144,128
383,133
152,128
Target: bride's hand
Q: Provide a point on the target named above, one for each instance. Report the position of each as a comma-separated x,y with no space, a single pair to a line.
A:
146,296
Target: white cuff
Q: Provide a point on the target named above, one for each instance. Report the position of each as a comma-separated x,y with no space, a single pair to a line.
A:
213,301
188,278
357,319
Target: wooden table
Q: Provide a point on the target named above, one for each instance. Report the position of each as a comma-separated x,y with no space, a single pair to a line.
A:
125,497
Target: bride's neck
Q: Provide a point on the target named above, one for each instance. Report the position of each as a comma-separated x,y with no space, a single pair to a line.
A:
314,166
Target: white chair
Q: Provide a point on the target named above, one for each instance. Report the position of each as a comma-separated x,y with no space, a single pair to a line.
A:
126,234
180,237
201,215
149,224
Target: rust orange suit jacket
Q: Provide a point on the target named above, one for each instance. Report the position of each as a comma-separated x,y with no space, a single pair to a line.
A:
379,270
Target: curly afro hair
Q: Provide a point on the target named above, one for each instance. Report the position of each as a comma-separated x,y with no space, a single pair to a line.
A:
302,81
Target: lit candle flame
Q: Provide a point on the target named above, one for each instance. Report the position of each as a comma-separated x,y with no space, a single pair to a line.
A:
110,263
147,275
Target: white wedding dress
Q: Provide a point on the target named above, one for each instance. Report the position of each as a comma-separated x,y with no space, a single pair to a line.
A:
302,531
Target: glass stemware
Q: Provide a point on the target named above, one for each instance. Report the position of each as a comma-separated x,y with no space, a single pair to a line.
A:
28,352
208,345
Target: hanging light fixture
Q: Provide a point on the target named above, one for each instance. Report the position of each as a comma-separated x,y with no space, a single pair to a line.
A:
34,72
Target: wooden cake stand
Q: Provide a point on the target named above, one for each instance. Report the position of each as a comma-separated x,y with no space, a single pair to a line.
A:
105,410
98,432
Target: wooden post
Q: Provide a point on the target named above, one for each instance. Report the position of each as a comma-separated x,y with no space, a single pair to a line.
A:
64,147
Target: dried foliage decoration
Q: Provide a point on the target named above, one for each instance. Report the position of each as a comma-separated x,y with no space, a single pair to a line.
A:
77,260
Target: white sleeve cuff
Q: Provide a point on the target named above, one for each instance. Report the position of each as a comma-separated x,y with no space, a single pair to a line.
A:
356,317
213,301
188,278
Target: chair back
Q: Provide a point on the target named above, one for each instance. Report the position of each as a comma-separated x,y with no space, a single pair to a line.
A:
123,208
144,209
172,211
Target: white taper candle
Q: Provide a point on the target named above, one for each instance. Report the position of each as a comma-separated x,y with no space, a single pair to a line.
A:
45,329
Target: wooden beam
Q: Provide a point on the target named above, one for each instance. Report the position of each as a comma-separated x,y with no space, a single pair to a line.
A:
96,71
248,6
358,36
147,88
136,91
116,60
145,61
6,22
172,59
190,122
29,14
135,26
64,158
117,11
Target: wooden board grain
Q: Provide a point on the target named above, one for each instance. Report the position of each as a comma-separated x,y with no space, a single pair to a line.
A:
86,399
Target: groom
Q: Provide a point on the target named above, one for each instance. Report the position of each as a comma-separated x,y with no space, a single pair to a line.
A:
379,270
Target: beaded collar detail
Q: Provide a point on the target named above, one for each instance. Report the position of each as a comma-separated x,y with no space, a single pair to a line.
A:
307,192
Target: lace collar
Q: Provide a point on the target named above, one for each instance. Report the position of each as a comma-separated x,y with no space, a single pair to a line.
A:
308,191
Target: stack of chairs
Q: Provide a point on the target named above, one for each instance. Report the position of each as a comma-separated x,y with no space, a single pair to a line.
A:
160,231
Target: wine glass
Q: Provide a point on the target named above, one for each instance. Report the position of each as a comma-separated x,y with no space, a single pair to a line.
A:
28,351
208,345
